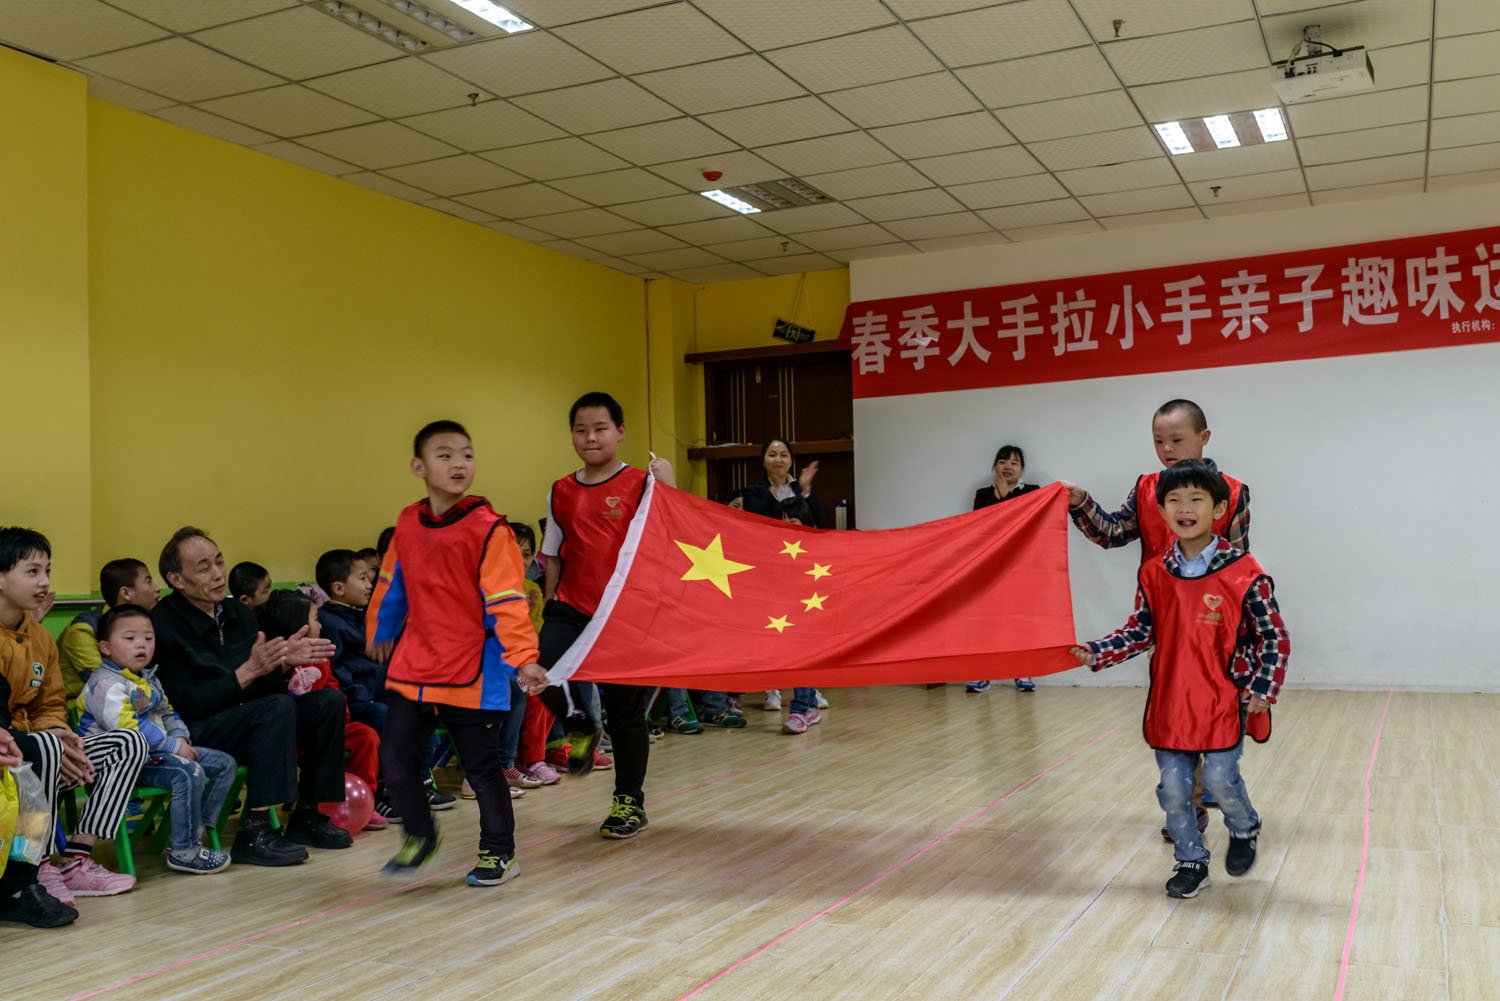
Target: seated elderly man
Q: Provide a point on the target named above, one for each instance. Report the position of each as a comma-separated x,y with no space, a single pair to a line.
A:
229,683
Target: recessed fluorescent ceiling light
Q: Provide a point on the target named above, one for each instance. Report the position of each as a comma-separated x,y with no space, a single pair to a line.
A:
738,204
1239,128
494,14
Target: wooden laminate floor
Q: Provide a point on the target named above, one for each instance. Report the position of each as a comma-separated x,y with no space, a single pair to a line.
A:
916,845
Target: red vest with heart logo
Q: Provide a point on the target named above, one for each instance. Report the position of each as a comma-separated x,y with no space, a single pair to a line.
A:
1156,534
1193,703
594,518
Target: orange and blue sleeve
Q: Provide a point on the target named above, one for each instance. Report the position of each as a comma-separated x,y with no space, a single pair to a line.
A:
502,582
386,615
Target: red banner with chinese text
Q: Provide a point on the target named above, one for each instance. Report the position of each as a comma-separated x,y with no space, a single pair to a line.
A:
1394,295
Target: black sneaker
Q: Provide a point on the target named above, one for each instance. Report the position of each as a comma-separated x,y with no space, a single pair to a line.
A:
582,745
1189,878
436,798
1241,854
493,870
311,828
36,907
625,820
386,808
265,846
413,852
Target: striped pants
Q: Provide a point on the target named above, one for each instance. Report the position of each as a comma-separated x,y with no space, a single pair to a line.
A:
117,757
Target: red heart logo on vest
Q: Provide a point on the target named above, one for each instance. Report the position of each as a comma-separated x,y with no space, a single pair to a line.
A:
612,501
1213,601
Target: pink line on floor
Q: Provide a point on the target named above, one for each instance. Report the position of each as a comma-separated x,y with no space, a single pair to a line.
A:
908,860
1364,854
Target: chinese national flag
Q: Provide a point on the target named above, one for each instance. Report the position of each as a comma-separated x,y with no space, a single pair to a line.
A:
704,596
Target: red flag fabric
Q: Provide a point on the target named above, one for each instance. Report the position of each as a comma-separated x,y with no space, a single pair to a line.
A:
704,596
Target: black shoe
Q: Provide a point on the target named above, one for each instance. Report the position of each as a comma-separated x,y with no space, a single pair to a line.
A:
436,798
413,852
265,846
36,907
1241,854
493,870
583,745
1189,878
625,820
386,808
311,828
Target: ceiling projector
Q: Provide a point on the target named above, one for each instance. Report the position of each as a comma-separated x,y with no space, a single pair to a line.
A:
1323,72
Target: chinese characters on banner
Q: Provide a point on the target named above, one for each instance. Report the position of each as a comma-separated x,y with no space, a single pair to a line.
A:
1396,295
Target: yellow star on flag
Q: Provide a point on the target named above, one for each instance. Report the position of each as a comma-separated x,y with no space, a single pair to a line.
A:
780,624
710,564
792,549
816,601
818,572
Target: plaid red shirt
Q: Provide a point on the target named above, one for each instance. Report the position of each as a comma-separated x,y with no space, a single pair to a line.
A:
1261,649
1110,530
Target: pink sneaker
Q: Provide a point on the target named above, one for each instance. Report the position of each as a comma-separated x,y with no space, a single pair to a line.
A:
603,762
543,773
376,822
795,723
90,879
518,779
813,716
52,882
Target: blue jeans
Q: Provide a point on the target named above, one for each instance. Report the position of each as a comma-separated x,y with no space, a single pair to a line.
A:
199,789
804,699
713,702
510,730
1221,776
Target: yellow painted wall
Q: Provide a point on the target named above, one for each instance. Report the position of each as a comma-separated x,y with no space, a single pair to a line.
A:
266,340
676,387
44,389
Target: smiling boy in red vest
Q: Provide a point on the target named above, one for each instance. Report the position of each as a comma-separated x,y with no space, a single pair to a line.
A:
1221,656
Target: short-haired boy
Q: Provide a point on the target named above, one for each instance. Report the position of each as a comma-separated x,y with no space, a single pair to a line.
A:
588,514
348,580
451,589
250,583
121,582
1221,656
123,694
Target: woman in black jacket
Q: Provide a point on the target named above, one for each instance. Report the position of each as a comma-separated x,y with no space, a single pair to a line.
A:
1009,467
782,483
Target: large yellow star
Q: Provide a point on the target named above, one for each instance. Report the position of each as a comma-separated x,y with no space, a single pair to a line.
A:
819,570
816,601
792,549
780,624
710,564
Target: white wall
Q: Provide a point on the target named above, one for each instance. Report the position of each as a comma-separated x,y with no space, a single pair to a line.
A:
1374,478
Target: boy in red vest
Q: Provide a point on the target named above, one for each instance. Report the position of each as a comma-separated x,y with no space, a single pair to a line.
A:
451,589
1221,656
588,514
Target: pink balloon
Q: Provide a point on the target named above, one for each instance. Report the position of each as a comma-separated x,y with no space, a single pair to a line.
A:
354,812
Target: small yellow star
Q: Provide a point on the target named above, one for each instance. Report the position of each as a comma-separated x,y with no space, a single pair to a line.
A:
780,624
816,601
819,571
792,549
710,564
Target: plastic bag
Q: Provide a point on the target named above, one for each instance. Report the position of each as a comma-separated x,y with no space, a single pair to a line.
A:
7,815
33,834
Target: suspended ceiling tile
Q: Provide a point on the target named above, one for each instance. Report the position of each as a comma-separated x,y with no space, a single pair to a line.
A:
386,186
672,210
298,43
1365,172
522,201
1236,161
1239,189
987,239
1361,111
378,145
738,167
810,217
1156,218
1465,56
1152,17
639,241
304,157
1168,196
555,158
783,121
180,69
901,101
102,88
455,175
616,186
938,136
1467,18
1364,144
583,222
1098,149
1403,66
1024,28
1257,206
520,64
770,245
183,16
722,85
551,13
519,231
727,272
1046,77
711,231
879,250
458,209
856,60
67,30
935,226
1246,90
1412,186
1448,182
882,179
1053,231
1466,97
652,39
1375,24
771,24
979,165
817,156
1033,214
1070,117
663,142
671,260
794,263
490,125
912,10
401,88
1188,54
906,205
198,120
288,110
845,237
1464,159
1009,191
595,107
1120,177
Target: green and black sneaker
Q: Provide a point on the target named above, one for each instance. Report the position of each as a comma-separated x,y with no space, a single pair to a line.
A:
414,851
582,745
625,820
493,870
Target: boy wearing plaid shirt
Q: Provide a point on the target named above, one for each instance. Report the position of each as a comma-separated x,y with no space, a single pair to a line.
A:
1221,656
